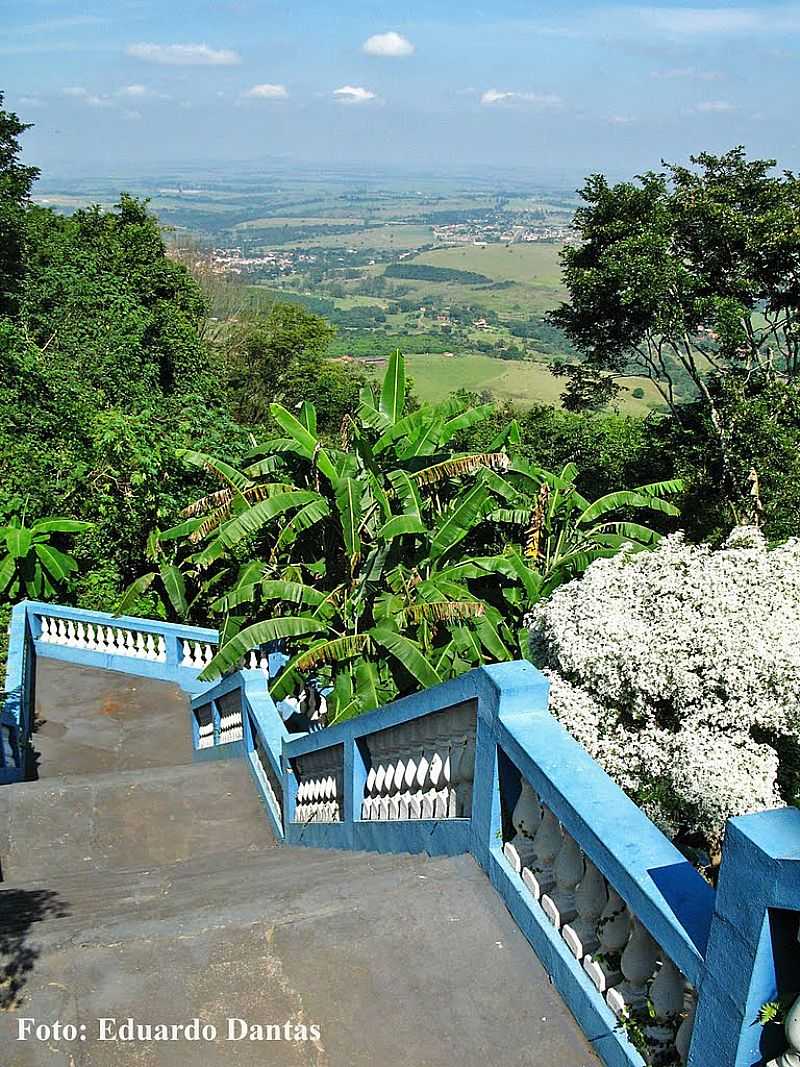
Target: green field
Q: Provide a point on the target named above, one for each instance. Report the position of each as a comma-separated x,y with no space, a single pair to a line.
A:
535,263
436,377
400,235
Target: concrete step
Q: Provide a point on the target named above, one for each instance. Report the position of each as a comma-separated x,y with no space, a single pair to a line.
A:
420,963
90,720
104,907
128,819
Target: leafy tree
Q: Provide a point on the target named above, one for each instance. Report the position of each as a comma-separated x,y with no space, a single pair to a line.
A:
764,456
16,181
30,565
273,357
608,449
686,276
103,377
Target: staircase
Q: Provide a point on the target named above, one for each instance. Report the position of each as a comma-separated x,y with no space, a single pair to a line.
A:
136,884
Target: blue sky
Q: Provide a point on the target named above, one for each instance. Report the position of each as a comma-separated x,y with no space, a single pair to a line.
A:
554,87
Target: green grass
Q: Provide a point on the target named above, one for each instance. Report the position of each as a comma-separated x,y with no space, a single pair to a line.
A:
536,263
400,236
436,377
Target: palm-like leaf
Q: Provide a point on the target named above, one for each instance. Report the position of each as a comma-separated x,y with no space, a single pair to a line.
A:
393,393
259,633
408,653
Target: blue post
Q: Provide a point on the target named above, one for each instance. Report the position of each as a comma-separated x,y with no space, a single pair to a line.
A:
759,879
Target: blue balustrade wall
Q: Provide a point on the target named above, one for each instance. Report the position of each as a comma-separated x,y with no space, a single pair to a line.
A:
724,942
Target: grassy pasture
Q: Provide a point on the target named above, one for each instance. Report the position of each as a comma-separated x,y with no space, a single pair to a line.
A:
400,236
535,263
436,377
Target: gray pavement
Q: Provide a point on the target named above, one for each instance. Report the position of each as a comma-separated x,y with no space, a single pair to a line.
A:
158,894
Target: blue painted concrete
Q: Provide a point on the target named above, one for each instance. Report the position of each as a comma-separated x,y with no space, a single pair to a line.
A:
725,943
760,874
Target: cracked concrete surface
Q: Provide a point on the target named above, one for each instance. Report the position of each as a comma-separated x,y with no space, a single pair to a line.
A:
157,893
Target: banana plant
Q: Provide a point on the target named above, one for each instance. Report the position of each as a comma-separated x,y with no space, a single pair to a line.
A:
29,562
354,540
375,559
552,533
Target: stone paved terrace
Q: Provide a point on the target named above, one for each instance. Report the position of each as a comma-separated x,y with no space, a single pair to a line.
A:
136,883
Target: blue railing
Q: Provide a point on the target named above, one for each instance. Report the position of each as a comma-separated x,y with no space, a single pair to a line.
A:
644,952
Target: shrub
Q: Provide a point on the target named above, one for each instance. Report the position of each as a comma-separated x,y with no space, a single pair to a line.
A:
679,671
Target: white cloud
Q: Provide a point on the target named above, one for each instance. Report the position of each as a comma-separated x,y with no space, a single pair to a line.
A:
184,55
267,92
388,44
90,99
498,96
135,91
31,101
715,106
353,94
621,120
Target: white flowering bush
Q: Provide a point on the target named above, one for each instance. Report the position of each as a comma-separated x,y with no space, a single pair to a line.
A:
679,671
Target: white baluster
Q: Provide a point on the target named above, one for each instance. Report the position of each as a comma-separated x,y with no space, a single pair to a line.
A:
461,774
525,818
80,636
70,633
409,777
369,786
141,650
397,774
415,803
559,905
151,647
541,878
638,965
666,995
62,632
683,1037
208,654
186,659
591,897
91,637
612,932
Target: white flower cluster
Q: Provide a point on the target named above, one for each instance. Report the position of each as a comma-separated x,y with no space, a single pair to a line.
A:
664,665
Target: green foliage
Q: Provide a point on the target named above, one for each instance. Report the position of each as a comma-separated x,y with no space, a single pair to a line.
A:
762,455
423,272
104,375
609,450
273,357
381,346
689,277
775,1011
389,559
15,187
30,564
